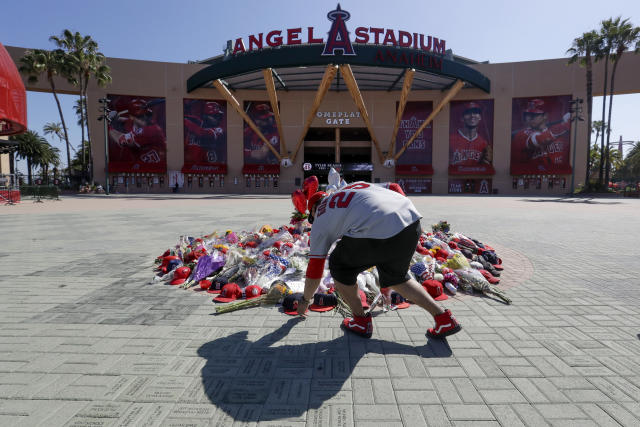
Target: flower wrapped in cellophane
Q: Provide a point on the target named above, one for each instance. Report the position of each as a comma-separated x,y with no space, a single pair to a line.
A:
277,291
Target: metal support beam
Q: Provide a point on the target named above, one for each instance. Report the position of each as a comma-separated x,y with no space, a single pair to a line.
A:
395,82
325,84
352,85
452,92
279,79
406,88
273,98
236,105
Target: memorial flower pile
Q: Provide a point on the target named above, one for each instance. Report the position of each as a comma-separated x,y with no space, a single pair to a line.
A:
273,260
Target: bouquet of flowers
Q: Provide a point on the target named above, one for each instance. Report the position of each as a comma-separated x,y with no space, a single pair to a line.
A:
277,292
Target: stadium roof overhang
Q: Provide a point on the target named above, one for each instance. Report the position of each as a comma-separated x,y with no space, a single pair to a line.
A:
301,67
366,68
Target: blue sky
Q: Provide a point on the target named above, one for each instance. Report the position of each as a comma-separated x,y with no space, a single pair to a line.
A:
163,30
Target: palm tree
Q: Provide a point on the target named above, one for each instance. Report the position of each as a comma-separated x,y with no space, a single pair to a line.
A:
30,147
49,156
54,129
604,52
51,63
623,36
86,62
582,51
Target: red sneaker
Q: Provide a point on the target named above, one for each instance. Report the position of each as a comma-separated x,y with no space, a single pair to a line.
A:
362,326
446,324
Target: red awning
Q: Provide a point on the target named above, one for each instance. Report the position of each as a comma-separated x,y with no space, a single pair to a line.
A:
208,169
471,170
13,97
414,170
253,169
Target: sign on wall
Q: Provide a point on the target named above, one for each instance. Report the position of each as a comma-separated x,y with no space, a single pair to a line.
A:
205,136
540,135
137,142
471,137
414,185
470,186
338,40
255,150
419,152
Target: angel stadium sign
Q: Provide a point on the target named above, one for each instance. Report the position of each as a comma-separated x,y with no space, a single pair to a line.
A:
338,39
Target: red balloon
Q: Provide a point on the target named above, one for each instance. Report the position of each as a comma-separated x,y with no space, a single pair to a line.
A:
310,186
299,201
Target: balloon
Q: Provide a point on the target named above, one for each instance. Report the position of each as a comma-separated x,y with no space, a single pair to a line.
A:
299,201
334,177
310,186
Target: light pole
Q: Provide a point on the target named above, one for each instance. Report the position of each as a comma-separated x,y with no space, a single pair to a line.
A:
575,109
104,109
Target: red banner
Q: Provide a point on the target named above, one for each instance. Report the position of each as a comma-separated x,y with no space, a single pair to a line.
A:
137,140
205,136
255,150
419,152
540,135
471,137
470,186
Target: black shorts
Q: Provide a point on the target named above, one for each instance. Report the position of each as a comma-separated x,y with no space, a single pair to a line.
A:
391,256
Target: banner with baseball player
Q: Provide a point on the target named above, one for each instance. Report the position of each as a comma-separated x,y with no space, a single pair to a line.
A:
541,135
137,142
205,136
256,151
419,152
471,137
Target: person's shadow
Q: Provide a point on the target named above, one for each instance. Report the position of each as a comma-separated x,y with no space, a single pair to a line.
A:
265,381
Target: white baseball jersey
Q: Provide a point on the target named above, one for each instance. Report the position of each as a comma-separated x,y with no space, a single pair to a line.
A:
360,210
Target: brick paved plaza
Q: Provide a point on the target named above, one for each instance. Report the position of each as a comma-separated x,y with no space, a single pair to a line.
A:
85,340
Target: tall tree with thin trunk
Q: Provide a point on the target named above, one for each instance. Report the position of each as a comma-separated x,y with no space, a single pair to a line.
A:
582,51
87,61
604,53
54,129
623,36
36,62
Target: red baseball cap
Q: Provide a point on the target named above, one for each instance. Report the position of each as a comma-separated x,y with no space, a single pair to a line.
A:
535,107
230,292
324,302
490,277
314,199
398,300
290,304
216,286
472,106
435,289
181,275
253,291
166,259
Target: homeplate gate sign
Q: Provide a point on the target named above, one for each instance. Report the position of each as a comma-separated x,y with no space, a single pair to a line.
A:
372,46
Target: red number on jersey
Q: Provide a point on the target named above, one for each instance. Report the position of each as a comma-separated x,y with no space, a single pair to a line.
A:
341,199
357,186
